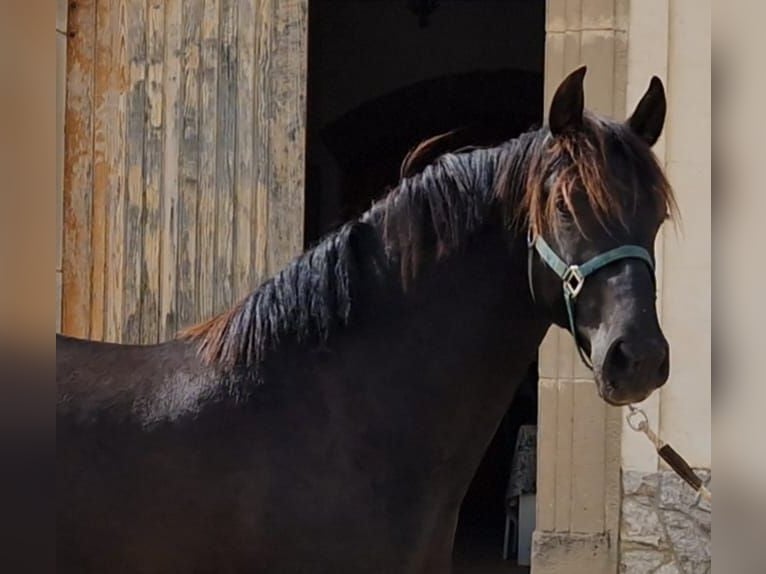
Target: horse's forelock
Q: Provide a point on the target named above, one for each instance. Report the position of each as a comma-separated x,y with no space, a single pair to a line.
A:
578,160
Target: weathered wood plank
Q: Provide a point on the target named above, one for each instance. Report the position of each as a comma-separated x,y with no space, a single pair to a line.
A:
170,196
153,155
287,132
189,161
115,125
262,159
225,156
184,173
136,107
78,169
206,217
244,189
104,120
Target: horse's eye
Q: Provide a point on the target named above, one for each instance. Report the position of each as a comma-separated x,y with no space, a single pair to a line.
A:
563,208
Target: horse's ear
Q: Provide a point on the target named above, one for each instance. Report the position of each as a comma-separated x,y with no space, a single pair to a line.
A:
648,118
568,103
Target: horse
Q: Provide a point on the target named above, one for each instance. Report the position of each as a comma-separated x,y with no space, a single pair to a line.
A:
332,420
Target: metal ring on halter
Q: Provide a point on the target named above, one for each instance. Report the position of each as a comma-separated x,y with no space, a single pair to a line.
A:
642,422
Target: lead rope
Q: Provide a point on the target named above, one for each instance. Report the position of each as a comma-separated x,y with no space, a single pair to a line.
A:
639,422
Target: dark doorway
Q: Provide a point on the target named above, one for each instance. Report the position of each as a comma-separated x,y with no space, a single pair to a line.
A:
383,75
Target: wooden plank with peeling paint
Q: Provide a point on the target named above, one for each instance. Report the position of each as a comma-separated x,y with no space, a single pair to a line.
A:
135,125
115,121
153,166
206,214
104,118
78,170
287,122
189,161
244,275
184,159
226,114
168,322
261,107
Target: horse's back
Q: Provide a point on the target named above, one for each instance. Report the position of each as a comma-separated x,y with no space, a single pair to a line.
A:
134,471
231,487
123,382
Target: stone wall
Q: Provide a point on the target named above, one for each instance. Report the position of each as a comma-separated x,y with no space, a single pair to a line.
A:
665,528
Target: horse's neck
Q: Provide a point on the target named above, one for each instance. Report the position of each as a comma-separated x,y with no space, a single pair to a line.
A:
468,328
451,359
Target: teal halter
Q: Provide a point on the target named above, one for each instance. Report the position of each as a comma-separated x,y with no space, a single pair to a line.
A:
573,276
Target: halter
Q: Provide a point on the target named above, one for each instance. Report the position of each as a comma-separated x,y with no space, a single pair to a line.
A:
573,276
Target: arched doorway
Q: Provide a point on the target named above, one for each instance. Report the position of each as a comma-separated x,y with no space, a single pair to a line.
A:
370,141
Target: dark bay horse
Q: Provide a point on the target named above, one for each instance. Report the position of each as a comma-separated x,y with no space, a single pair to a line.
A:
332,421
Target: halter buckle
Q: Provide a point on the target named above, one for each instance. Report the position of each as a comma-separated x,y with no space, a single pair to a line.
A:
573,281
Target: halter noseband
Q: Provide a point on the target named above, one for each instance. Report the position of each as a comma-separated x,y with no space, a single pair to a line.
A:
573,276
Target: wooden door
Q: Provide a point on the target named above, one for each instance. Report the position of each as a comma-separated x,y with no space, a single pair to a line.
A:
184,159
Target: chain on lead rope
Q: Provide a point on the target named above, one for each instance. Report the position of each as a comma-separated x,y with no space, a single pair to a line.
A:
639,422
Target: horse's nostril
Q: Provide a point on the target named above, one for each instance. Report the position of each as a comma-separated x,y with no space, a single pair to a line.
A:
649,362
620,359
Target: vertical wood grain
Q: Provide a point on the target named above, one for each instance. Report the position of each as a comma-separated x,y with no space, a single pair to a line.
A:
115,123
206,215
226,142
78,169
135,127
287,124
189,161
153,165
102,133
244,275
262,102
183,179
171,148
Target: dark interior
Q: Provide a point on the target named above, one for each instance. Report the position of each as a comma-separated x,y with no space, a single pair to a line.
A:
383,75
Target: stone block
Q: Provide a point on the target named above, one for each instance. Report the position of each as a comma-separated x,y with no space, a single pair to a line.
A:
665,528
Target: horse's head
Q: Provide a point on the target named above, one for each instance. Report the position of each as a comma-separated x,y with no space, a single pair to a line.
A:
595,200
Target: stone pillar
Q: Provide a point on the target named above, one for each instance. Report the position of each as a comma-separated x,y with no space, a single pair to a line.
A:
578,491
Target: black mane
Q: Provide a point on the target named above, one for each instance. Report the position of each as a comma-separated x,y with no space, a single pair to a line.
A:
424,219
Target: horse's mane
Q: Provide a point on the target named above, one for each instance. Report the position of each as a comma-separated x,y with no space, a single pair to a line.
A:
428,216
306,302
432,213
424,217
